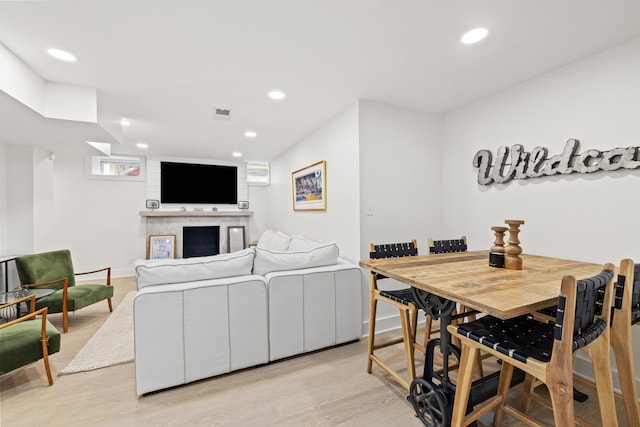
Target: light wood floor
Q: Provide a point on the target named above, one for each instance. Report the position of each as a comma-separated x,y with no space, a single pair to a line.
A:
325,388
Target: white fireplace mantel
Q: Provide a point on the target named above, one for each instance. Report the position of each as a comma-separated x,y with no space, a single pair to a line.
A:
172,222
158,213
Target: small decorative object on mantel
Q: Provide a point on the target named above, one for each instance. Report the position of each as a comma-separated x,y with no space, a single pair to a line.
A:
243,205
513,250
153,204
496,256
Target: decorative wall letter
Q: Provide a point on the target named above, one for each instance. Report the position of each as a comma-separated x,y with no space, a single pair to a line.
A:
523,165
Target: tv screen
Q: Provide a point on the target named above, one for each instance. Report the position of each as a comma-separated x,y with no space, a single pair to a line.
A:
196,183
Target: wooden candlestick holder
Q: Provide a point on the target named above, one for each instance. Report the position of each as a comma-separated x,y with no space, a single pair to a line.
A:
498,244
513,250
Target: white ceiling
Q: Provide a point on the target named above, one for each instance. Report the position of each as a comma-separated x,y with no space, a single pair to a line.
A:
165,64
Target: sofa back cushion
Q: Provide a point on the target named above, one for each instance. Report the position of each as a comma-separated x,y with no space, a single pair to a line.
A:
164,271
267,261
274,241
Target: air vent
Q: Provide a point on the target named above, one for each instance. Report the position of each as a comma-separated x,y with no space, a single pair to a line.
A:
223,114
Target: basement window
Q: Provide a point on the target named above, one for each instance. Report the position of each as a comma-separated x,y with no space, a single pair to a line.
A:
258,173
115,167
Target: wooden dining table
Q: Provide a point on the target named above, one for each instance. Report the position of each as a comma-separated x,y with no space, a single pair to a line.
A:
467,279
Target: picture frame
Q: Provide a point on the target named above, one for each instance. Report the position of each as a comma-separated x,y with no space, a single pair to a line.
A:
309,187
243,204
161,246
235,238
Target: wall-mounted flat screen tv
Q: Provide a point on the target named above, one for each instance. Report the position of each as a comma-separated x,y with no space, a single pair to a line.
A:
198,183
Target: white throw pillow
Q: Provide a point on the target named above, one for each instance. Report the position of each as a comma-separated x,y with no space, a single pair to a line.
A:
299,243
267,261
274,241
163,271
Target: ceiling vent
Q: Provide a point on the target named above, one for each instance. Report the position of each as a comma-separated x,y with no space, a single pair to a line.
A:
223,114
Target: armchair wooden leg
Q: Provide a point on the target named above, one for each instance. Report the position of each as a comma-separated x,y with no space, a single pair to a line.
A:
45,347
45,357
110,305
65,321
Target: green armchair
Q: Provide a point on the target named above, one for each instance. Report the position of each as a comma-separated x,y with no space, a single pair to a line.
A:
26,340
54,270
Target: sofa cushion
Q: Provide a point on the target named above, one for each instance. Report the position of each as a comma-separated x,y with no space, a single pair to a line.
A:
274,241
164,271
267,261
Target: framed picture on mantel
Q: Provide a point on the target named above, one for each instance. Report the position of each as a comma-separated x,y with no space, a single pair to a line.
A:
235,238
162,246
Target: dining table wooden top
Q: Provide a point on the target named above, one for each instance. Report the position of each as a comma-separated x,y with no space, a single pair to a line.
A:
467,278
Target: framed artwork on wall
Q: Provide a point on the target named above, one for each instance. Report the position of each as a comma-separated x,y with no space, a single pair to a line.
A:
309,186
235,238
162,246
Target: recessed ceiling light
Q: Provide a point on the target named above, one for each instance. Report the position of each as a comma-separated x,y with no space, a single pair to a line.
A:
277,95
125,122
474,36
250,134
62,55
237,154
142,145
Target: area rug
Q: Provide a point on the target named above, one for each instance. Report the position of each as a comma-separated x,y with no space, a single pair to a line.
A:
111,345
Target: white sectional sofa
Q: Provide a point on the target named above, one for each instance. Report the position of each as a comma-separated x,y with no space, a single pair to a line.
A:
199,317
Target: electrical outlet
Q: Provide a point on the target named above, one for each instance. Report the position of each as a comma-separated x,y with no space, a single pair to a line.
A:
369,209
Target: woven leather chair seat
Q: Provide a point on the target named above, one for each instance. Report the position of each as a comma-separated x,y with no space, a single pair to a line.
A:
403,296
523,337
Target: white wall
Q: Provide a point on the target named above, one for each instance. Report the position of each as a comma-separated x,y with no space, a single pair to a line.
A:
400,186
586,217
50,205
3,199
337,143
98,220
400,175
258,201
19,200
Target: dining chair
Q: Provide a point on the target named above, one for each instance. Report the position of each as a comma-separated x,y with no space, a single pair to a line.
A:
25,340
544,351
626,313
443,247
404,300
54,270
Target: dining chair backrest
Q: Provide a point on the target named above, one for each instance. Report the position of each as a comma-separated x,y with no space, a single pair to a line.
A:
623,286
447,246
590,311
393,250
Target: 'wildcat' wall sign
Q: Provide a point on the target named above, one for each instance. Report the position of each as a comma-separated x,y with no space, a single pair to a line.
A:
523,165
